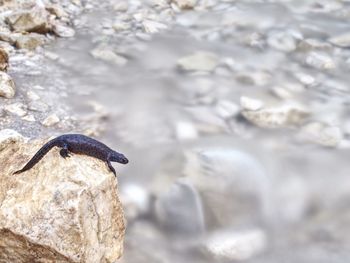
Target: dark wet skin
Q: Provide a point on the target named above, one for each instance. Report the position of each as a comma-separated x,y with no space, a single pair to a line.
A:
78,144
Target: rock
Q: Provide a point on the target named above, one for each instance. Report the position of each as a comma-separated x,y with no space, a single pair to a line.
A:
29,117
32,95
51,120
62,210
226,109
223,175
4,60
106,54
152,27
282,41
185,4
233,245
257,78
320,61
121,6
136,200
180,210
342,40
56,10
277,117
311,44
30,41
199,61
7,86
16,108
9,137
305,79
251,104
186,130
62,30
320,133
121,26
35,20
39,106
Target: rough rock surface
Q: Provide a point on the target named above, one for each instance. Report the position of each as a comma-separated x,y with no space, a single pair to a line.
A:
62,210
7,86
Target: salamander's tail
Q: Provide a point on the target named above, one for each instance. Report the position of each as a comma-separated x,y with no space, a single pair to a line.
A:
38,156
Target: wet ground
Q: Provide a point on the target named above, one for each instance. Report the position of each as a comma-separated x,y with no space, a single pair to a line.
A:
234,115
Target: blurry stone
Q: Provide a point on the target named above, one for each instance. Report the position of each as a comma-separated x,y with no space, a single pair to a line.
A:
186,130
106,54
258,78
320,61
311,44
251,104
342,40
281,93
62,30
56,10
282,41
136,201
7,86
39,106
61,210
287,90
305,79
153,26
226,109
16,108
121,26
179,209
32,95
277,117
4,60
35,20
199,61
224,176
235,245
9,137
29,41
121,6
185,4
51,120
29,117
51,55
320,133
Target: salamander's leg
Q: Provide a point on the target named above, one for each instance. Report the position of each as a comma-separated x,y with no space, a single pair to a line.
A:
64,151
111,167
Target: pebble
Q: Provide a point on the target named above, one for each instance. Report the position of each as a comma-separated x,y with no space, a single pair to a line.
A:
62,30
282,41
7,86
320,133
152,27
251,104
29,41
108,55
199,61
4,60
256,78
342,40
186,130
276,117
185,4
235,245
121,26
305,79
50,120
39,106
311,44
32,95
320,61
180,210
16,108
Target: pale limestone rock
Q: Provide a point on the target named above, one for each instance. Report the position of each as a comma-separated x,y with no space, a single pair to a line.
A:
107,54
199,61
152,27
320,61
320,133
29,41
8,137
62,210
63,30
4,59
18,109
251,104
51,120
277,117
7,86
185,4
342,40
35,20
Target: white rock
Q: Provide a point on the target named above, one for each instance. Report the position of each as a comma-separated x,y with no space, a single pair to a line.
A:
199,61
226,109
51,120
32,95
153,26
7,86
282,41
342,40
320,61
320,133
185,4
257,78
231,245
277,117
8,137
251,104
186,130
62,30
120,26
29,118
106,54
305,79
16,108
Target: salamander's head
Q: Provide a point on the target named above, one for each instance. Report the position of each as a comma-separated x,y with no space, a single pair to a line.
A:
118,157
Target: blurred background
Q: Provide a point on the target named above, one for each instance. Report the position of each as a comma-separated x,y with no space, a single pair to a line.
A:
234,115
